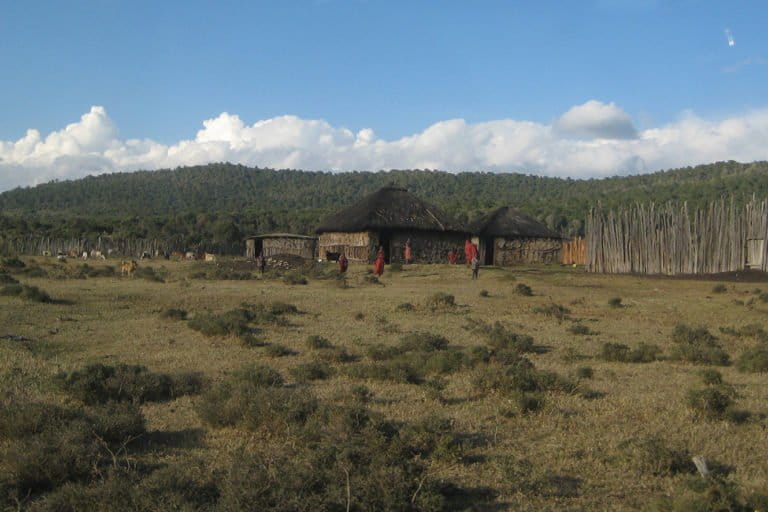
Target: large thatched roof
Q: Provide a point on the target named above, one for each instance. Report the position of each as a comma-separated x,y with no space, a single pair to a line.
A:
508,222
390,208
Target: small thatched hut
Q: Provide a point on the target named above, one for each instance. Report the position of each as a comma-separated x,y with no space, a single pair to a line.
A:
507,236
388,218
281,243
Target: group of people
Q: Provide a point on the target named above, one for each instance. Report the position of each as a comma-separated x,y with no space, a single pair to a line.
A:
470,253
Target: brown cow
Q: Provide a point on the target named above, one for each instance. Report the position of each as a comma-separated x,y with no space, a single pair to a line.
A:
127,268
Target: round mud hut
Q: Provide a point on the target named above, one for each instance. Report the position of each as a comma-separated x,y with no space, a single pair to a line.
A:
388,218
507,236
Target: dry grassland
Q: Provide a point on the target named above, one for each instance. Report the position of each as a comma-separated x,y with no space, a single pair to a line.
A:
574,440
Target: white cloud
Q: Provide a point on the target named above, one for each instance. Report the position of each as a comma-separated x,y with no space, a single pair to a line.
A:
597,119
590,140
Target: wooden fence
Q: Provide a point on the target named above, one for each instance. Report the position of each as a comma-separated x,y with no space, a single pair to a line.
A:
574,252
124,247
670,239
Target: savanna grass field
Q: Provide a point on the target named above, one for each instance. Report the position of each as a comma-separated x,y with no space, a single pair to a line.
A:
206,386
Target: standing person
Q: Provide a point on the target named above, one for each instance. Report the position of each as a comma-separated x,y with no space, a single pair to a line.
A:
475,266
408,255
470,251
261,263
451,257
378,266
343,263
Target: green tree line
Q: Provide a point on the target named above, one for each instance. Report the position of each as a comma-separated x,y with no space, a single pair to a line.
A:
226,202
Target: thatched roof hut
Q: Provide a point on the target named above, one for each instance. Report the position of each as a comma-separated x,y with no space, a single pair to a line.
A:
507,236
388,218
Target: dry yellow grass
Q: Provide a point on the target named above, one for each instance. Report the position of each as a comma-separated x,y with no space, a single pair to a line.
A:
117,319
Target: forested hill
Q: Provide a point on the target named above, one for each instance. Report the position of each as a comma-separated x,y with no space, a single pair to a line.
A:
208,198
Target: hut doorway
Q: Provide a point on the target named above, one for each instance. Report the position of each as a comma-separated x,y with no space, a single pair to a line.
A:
385,242
487,246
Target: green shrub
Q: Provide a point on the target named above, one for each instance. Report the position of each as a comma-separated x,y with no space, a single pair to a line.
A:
315,342
710,402
719,288
149,273
335,355
371,279
524,290
359,316
405,307
763,297
554,310
711,377
234,322
698,346
381,352
293,278
422,341
433,437
32,293
615,302
278,350
98,384
580,330
174,314
311,371
12,262
750,330
653,456
443,361
584,372
395,370
441,300
499,337
644,353
754,360
7,278
518,376
484,293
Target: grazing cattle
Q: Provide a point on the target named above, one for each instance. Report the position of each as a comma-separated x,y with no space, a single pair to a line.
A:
61,257
85,255
46,253
190,255
145,255
97,254
127,268
210,257
176,255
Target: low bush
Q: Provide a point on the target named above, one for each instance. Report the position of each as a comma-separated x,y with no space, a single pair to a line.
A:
518,376
484,293
750,331
711,377
440,300
294,278
174,314
6,278
371,279
712,402
359,316
615,302
698,346
524,290
32,293
311,371
234,322
422,341
12,262
278,350
405,307
644,353
149,273
499,337
584,372
553,310
393,370
315,342
99,383
719,288
653,456
754,360
715,492
335,355
580,330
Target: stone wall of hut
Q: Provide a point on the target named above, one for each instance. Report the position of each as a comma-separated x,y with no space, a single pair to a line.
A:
426,246
304,247
358,247
515,251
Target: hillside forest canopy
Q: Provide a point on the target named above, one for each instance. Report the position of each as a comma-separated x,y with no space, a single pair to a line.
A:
226,202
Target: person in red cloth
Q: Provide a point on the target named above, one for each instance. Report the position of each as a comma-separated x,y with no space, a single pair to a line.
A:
407,254
378,266
452,257
470,251
343,263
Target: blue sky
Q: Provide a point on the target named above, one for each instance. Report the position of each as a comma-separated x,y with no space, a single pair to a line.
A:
380,72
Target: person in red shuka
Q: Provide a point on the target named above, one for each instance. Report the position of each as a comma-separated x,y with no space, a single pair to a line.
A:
452,257
343,263
470,251
378,266
408,256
